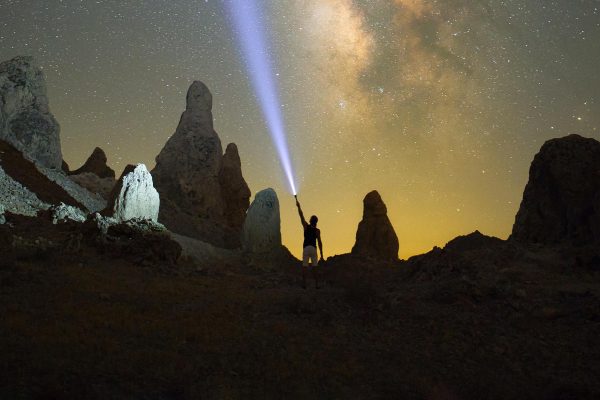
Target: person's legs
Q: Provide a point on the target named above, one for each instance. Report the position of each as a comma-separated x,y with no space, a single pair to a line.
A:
305,260
315,266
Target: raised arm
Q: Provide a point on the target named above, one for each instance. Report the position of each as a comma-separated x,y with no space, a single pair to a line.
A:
304,224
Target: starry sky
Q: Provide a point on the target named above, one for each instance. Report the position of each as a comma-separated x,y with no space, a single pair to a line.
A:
440,105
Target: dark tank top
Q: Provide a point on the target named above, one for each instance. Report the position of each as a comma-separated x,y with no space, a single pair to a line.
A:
310,236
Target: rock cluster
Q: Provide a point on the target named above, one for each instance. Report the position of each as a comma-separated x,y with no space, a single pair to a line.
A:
25,118
262,228
561,202
134,196
64,213
203,193
375,237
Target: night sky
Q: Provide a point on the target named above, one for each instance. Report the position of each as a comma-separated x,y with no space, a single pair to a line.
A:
439,105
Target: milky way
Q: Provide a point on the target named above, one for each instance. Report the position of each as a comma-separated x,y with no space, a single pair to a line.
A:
439,105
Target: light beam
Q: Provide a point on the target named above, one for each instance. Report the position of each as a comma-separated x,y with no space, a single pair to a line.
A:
252,38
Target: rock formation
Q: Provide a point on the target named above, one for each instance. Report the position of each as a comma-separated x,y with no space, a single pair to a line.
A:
561,202
202,193
24,189
95,175
134,196
262,228
96,164
234,189
25,119
375,236
473,241
64,213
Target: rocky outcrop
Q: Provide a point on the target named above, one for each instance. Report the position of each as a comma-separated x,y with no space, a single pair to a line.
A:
24,189
93,183
200,189
64,213
25,118
375,237
262,228
561,202
473,241
96,164
234,189
145,245
90,201
134,196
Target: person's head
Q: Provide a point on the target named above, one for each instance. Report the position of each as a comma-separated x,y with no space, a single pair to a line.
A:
314,220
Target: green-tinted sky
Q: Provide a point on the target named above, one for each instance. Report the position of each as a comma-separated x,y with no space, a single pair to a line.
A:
439,105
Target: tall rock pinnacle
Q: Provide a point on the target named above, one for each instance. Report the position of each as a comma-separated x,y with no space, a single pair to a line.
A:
234,189
191,175
25,118
375,236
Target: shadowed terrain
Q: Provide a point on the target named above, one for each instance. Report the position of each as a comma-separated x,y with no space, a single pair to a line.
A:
90,323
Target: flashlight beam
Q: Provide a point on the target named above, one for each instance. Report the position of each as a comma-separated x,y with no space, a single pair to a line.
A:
251,35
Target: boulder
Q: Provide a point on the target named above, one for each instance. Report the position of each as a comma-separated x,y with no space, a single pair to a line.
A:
134,196
262,227
143,245
202,192
375,237
561,201
64,213
25,118
2,217
141,241
96,164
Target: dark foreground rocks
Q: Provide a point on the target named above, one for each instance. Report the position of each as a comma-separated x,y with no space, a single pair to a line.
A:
50,239
494,323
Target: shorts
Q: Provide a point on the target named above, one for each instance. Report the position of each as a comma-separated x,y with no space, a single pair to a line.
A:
310,253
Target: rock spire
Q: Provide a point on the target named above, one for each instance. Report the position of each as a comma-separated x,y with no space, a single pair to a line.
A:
203,193
375,236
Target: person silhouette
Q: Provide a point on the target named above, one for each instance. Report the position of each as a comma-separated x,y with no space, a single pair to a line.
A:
312,236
